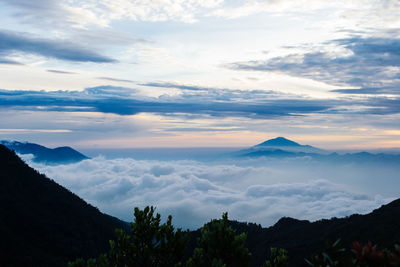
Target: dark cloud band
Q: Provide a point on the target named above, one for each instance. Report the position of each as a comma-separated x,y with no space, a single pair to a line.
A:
59,49
214,102
124,101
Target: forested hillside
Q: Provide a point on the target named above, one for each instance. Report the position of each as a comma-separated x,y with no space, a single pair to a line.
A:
44,224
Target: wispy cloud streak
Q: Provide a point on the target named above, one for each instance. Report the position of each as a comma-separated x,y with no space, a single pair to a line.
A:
115,79
372,64
61,72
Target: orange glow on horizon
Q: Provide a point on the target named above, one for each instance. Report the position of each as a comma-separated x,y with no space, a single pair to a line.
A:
244,139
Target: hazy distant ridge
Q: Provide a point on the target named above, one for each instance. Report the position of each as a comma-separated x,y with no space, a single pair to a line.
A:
43,154
281,147
279,141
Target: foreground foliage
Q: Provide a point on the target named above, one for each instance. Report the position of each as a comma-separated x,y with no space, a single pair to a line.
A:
278,258
359,255
151,243
220,246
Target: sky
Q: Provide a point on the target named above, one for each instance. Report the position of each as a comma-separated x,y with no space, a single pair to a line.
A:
200,73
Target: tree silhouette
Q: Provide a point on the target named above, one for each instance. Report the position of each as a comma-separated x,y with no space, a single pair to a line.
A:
220,246
149,244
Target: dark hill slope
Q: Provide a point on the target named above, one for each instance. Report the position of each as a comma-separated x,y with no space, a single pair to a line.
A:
46,155
301,238
44,224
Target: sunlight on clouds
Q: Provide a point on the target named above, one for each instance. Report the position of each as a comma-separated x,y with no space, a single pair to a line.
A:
93,129
211,138
392,132
103,12
392,143
342,14
367,140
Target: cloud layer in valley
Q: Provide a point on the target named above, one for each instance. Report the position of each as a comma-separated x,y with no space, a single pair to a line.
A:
194,192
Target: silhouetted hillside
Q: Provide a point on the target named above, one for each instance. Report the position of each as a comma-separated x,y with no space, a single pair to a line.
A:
44,224
303,238
43,154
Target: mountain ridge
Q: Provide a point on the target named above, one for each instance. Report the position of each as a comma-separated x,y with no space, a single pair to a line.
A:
278,147
278,141
42,154
281,147
302,238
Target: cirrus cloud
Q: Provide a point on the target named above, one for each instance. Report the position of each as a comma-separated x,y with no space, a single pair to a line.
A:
372,64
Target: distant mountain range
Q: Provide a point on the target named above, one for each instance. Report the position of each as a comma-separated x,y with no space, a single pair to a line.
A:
44,224
281,147
279,142
46,155
277,148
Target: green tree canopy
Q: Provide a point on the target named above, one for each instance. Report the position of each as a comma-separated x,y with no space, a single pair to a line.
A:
220,246
150,243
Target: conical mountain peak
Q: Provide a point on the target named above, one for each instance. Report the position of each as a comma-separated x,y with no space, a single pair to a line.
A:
279,141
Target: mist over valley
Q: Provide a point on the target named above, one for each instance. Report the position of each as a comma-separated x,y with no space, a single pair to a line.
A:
194,188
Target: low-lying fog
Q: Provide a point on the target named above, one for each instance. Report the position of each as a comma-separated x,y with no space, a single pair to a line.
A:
255,190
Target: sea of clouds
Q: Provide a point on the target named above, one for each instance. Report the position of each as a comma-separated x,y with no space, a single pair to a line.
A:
194,192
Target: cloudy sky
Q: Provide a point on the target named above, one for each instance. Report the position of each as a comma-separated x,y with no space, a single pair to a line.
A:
200,73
